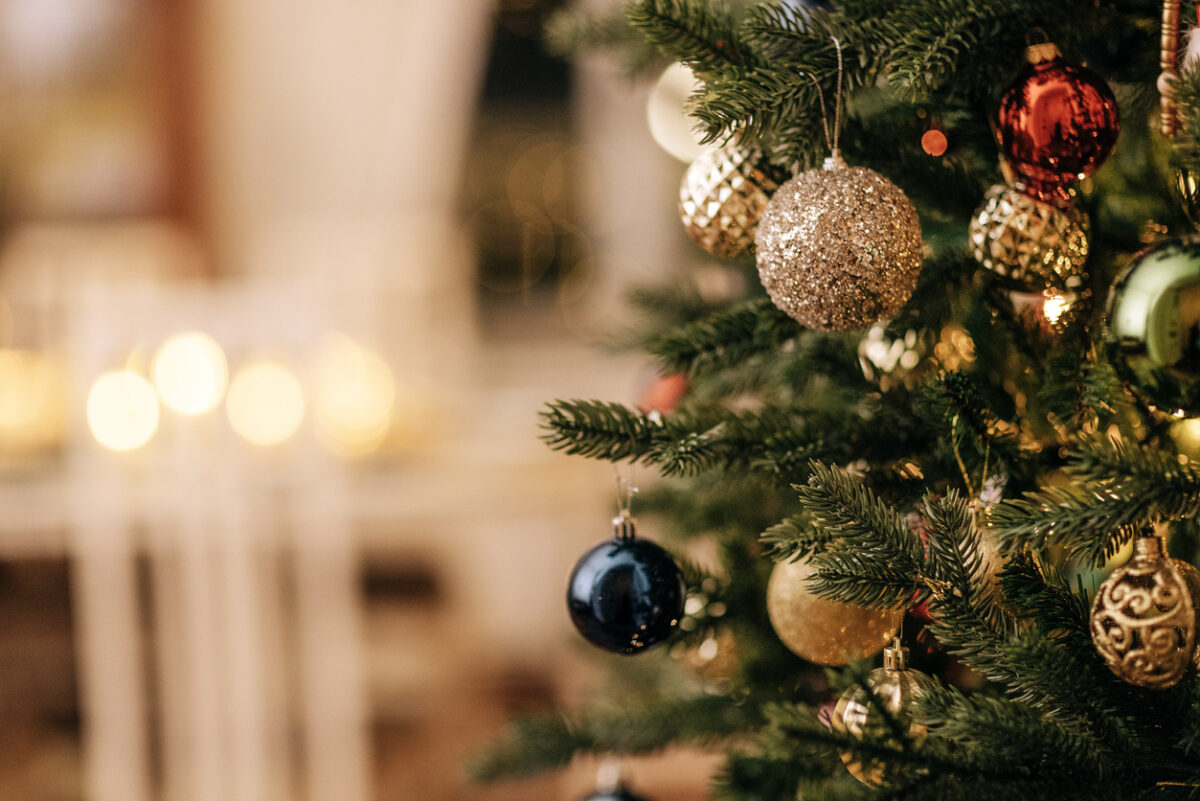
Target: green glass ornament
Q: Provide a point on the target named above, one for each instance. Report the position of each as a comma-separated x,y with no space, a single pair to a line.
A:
1153,330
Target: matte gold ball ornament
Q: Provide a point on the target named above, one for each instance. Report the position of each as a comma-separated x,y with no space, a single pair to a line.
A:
822,631
722,197
1032,244
839,247
894,687
1143,619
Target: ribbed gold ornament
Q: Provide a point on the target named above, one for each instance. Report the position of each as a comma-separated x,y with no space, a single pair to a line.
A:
1144,617
1035,245
822,631
839,247
894,687
722,197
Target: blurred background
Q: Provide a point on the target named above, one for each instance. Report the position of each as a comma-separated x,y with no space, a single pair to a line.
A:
283,286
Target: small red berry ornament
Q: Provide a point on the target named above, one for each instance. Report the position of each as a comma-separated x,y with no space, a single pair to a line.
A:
1058,123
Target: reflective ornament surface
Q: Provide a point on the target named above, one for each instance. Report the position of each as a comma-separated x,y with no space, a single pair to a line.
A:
1153,326
1034,245
1144,618
894,687
839,247
1187,186
905,360
1058,123
821,631
626,594
721,199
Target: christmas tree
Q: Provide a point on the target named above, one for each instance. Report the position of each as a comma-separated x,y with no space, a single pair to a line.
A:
958,390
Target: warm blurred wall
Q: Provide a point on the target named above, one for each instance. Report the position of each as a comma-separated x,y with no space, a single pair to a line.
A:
267,623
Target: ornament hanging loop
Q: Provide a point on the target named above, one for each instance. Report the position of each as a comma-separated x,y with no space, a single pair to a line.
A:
831,137
624,524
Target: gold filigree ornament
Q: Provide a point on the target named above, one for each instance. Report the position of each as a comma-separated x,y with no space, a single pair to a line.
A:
1144,617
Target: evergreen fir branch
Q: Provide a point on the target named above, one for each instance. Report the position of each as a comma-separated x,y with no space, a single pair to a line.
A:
999,735
725,339
687,442
537,744
1040,592
598,430
877,559
701,35
795,537
958,570
955,399
1119,487
1186,153
1079,391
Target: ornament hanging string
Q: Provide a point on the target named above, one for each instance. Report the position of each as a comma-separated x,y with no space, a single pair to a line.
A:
831,140
626,489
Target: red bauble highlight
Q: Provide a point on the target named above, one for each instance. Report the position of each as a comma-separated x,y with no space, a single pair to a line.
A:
1058,123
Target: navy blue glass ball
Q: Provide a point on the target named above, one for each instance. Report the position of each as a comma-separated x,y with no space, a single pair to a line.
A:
625,595
620,794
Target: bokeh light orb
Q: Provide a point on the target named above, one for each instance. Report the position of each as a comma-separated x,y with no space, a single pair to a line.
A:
265,403
354,397
190,373
122,410
666,114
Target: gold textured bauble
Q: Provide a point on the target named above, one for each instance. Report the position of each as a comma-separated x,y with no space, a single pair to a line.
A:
821,631
894,687
722,197
1144,617
839,247
1034,245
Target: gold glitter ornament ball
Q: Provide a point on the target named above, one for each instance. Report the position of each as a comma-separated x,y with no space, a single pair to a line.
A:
821,631
1034,245
839,247
721,199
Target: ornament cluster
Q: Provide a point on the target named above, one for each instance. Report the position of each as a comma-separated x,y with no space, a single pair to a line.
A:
1057,123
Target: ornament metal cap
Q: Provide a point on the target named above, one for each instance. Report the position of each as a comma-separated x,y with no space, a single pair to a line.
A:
1042,52
895,656
834,161
624,526
1148,547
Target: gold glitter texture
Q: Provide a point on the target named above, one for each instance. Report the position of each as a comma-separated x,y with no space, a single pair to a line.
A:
822,631
1033,244
839,247
722,197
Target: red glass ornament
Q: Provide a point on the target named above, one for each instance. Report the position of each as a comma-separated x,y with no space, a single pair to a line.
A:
1058,123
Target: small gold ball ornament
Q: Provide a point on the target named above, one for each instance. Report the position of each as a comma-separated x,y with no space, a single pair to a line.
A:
722,197
1034,245
1144,617
839,247
822,631
894,687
